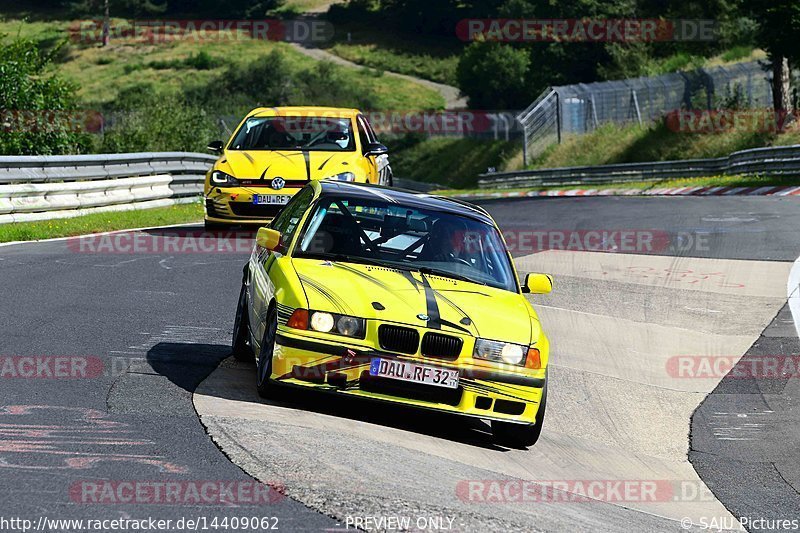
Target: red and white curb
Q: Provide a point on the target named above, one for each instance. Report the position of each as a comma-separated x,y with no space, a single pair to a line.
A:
673,191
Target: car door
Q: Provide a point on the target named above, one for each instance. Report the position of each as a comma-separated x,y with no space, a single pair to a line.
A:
377,166
261,288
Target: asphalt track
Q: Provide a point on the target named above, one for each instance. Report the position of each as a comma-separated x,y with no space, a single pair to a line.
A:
713,283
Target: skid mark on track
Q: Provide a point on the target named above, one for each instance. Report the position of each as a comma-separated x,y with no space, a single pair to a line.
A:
26,443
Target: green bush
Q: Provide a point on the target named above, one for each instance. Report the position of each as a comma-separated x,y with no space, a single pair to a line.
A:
145,120
38,109
493,76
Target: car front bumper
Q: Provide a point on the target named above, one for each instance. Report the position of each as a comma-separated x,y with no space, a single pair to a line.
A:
236,206
343,368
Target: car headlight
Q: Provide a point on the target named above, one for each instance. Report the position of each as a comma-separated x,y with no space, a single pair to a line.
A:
349,326
500,352
344,176
221,179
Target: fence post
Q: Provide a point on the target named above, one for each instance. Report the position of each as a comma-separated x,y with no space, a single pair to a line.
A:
558,117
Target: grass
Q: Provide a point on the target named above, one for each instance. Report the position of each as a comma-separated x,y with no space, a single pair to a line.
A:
449,161
102,73
100,222
419,56
305,6
612,143
711,181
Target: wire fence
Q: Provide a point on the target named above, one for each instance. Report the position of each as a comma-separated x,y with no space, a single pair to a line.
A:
581,108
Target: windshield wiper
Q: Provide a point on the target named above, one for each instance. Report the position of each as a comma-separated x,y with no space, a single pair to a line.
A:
448,274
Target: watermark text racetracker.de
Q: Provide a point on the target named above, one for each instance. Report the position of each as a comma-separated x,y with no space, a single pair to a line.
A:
161,492
586,30
707,121
188,241
556,491
310,30
69,367
641,241
780,367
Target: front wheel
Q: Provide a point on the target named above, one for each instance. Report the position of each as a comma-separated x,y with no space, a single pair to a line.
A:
264,384
386,179
520,435
241,329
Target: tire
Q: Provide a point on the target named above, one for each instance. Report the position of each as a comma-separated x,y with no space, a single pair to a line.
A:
264,384
520,435
388,182
240,344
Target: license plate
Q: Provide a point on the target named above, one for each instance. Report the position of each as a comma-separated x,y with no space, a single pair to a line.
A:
406,371
270,199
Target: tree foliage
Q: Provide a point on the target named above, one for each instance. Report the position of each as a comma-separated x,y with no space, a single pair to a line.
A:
38,110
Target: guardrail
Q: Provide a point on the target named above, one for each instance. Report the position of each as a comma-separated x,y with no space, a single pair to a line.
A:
48,187
777,161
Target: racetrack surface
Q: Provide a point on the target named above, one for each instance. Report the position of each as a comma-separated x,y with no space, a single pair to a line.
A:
615,412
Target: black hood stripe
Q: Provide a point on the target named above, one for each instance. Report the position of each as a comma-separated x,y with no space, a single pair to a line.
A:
307,159
434,319
414,283
455,307
325,163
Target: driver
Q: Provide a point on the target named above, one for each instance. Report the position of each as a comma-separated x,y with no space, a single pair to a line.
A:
446,241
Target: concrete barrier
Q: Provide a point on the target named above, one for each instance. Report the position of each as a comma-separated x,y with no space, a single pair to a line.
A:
49,187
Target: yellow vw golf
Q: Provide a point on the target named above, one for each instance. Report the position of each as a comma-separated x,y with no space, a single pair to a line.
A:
275,151
391,295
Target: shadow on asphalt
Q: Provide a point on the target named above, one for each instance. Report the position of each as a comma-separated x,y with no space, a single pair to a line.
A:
187,365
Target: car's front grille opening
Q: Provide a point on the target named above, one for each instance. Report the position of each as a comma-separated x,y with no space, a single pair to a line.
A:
245,209
212,211
398,339
412,391
441,346
483,402
508,407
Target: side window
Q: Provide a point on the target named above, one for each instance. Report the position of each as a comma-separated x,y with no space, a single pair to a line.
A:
289,218
370,131
363,137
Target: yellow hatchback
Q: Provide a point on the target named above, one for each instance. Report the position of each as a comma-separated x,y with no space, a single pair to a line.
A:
276,151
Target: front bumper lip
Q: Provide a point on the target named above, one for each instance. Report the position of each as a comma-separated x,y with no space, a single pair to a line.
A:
364,355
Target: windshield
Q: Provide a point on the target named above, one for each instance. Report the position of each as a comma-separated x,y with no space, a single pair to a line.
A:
394,235
295,133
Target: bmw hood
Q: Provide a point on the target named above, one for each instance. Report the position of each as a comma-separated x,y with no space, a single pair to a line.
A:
416,299
289,164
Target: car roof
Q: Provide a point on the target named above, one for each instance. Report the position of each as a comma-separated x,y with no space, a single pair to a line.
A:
409,198
338,112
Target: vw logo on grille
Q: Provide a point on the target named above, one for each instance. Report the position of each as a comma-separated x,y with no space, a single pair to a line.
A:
423,317
278,184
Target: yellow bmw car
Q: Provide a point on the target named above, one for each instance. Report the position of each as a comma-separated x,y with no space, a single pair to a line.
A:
275,151
391,295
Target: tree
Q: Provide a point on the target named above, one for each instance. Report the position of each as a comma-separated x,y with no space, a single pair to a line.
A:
39,113
778,33
493,76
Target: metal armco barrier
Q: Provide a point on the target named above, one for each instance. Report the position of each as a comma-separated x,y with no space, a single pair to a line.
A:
777,161
48,187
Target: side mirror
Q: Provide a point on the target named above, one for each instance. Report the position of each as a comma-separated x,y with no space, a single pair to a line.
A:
538,283
375,149
215,147
268,238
